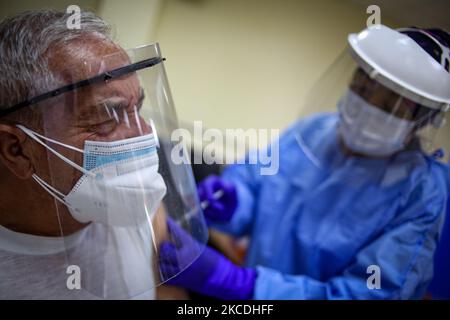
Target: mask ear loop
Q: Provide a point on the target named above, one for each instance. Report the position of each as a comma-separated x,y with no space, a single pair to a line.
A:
51,190
35,136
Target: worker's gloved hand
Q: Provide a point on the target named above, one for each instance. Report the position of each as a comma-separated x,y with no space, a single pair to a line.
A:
218,199
210,274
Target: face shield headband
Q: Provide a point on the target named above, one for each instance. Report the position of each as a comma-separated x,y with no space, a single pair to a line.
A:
103,77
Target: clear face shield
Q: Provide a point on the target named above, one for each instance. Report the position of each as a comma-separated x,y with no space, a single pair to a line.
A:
374,121
108,161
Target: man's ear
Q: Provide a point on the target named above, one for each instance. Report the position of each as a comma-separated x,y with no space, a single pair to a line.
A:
12,155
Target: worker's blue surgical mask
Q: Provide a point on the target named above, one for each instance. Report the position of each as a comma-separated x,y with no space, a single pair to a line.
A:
120,185
369,130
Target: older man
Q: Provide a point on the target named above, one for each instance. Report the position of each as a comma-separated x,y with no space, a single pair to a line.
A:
79,163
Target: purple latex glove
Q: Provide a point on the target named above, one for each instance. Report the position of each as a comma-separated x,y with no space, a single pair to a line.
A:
219,198
210,274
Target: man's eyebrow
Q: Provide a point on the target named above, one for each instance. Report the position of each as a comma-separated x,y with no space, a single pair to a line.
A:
97,108
116,101
121,98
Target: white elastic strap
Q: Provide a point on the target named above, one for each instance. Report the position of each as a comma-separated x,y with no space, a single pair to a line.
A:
34,136
55,193
32,133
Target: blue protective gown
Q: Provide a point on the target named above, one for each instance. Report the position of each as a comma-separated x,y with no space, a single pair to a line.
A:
324,218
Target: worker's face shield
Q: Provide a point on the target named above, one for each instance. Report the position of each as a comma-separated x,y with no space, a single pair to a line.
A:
108,160
374,120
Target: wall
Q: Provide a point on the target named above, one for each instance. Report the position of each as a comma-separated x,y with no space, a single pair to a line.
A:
133,21
249,63
235,63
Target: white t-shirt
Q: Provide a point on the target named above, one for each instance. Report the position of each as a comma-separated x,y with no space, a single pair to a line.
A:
113,263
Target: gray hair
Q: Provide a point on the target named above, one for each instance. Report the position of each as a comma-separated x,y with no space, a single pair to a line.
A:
25,42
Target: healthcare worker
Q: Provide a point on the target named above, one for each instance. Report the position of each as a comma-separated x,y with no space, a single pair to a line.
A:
87,180
356,208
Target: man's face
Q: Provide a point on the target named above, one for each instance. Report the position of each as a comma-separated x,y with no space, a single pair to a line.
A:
383,98
101,112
